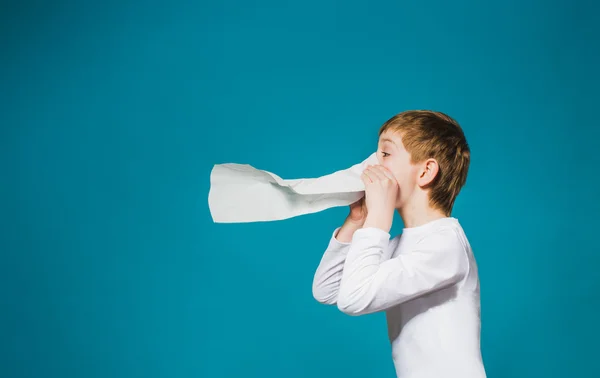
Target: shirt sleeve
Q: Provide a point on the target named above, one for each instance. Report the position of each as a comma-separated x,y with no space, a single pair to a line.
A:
369,284
326,281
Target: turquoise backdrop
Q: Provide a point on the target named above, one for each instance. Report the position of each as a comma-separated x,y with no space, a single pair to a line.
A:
113,113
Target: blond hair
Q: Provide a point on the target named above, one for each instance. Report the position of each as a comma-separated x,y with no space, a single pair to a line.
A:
429,134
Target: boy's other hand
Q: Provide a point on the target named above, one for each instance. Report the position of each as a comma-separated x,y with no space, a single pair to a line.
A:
354,221
358,212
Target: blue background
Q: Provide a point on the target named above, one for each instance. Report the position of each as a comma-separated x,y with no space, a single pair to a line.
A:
113,114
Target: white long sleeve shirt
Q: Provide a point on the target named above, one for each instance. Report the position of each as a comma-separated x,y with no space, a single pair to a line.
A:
425,280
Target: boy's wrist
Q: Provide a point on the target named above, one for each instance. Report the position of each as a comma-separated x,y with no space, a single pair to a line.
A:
354,222
381,221
347,230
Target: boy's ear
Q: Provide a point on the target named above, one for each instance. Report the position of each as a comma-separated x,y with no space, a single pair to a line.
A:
428,172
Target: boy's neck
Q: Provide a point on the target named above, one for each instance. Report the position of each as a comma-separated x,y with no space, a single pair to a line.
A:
414,216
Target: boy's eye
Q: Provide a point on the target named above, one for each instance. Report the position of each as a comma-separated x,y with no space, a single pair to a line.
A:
385,154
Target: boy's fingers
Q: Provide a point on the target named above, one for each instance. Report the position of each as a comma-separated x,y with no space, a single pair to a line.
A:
385,172
374,173
382,173
365,178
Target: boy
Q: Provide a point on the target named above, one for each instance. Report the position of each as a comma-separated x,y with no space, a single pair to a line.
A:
425,279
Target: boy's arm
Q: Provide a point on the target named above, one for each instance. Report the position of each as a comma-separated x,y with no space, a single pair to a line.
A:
369,284
326,281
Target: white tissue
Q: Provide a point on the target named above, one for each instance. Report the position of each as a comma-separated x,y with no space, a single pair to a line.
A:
241,193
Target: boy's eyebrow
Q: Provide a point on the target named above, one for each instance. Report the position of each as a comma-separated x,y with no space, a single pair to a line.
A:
387,140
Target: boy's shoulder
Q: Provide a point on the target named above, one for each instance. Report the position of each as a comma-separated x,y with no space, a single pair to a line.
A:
441,231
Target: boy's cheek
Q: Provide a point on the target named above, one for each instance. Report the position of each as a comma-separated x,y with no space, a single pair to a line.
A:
389,167
397,176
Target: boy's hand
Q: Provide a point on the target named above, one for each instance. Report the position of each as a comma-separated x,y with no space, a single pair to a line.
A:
358,212
354,221
381,193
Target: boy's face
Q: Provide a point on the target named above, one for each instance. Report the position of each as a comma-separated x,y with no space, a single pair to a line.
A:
392,155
